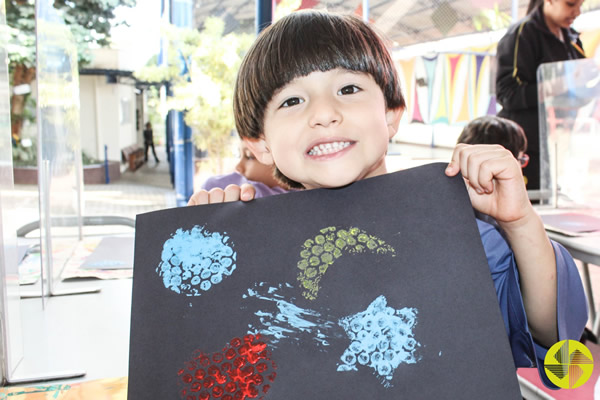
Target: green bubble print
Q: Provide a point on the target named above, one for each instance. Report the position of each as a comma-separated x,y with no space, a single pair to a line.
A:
319,253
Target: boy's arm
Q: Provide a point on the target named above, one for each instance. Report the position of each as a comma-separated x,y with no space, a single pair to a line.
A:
245,192
495,186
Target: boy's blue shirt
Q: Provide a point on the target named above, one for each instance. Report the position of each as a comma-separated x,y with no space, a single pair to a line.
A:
571,306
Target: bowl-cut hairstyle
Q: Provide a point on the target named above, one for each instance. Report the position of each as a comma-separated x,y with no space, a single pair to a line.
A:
491,129
301,43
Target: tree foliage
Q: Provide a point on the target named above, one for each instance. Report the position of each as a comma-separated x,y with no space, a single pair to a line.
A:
491,19
204,90
89,20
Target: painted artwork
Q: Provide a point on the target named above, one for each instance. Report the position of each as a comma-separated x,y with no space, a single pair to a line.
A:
378,290
107,388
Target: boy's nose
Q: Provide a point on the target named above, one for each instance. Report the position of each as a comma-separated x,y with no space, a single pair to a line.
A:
323,113
240,167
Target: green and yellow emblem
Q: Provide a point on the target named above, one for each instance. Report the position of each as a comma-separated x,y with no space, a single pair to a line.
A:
569,364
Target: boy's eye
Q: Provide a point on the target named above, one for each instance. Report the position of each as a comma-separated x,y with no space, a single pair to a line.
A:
292,101
248,155
350,89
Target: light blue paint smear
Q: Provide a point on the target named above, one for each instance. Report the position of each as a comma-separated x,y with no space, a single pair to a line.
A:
194,261
286,321
105,264
381,338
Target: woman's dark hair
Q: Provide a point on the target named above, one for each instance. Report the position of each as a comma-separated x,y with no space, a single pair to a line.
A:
301,43
533,4
491,129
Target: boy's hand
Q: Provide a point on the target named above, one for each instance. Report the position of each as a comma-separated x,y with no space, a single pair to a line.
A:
494,181
245,192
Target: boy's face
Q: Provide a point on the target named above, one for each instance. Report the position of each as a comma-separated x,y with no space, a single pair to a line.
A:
327,129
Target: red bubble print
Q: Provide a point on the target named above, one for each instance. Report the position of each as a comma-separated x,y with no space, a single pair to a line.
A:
242,370
217,358
230,354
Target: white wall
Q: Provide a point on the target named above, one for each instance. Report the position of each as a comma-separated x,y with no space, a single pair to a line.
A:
107,117
126,103
107,112
87,116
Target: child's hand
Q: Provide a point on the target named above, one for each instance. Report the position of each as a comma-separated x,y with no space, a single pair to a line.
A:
496,188
245,192
494,181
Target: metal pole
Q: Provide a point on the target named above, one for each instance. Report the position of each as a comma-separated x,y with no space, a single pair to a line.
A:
515,10
264,14
181,15
365,10
106,174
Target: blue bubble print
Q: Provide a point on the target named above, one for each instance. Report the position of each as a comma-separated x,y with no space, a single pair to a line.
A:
194,261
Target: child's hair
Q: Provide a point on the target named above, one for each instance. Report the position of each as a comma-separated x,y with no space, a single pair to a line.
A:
491,129
299,44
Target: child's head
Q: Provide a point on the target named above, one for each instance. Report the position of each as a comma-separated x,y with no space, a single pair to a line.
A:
254,170
491,129
299,45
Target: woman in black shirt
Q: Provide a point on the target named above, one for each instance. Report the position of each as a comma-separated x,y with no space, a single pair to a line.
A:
544,35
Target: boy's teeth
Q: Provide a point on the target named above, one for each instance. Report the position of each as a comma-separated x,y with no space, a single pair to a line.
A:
327,148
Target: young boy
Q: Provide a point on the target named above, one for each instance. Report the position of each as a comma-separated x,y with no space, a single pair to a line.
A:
248,170
317,96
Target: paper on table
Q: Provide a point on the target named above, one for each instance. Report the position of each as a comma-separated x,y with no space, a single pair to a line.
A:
571,224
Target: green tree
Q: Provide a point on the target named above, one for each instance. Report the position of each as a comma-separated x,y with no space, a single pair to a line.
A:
89,21
204,91
491,19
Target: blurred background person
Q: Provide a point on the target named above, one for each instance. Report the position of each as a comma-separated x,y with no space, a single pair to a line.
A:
544,35
149,142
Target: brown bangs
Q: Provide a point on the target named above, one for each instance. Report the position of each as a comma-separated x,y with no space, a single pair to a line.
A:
299,44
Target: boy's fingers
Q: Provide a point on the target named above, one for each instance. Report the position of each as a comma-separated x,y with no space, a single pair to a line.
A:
486,165
454,167
473,162
232,193
198,198
216,195
247,192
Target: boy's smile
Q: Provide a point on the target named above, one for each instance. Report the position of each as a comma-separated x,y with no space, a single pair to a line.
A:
328,129
328,147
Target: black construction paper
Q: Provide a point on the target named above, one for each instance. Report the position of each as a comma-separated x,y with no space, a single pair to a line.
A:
399,303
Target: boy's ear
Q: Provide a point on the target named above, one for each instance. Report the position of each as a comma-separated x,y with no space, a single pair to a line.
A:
260,149
392,117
